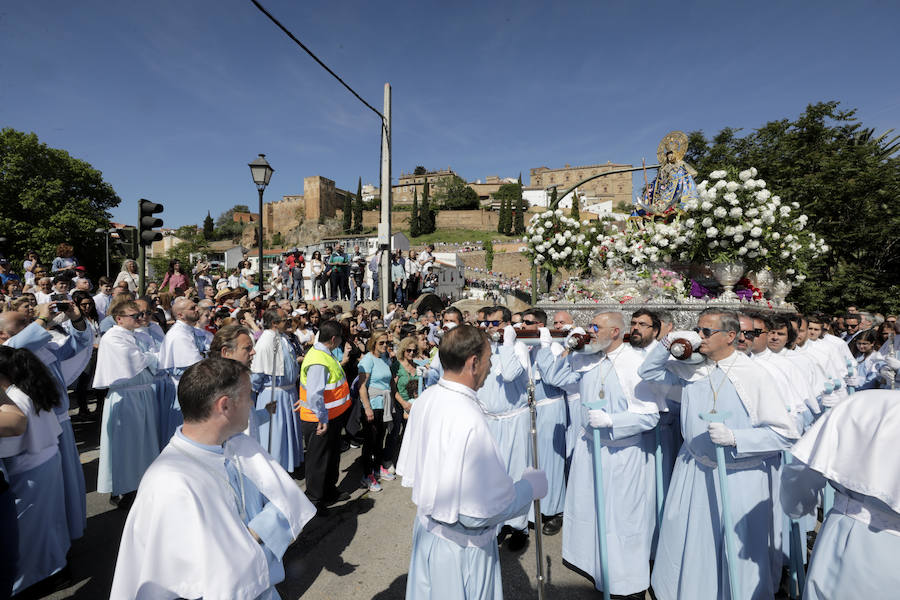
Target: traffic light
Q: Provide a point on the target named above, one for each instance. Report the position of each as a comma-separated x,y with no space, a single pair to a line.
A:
125,242
146,222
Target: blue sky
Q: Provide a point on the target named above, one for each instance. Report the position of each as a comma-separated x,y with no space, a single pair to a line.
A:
171,100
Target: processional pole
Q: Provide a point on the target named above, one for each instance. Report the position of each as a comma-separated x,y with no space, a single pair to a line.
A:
730,550
599,499
538,539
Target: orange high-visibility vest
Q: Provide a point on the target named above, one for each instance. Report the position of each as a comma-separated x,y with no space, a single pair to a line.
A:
336,393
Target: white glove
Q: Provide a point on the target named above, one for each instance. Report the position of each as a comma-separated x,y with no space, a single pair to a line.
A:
691,336
572,332
830,399
854,381
509,336
599,419
538,481
421,371
721,435
546,338
892,362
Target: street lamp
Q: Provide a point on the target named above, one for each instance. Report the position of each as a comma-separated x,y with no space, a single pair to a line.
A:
106,233
262,173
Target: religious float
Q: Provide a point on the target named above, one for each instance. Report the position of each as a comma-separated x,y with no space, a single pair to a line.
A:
727,242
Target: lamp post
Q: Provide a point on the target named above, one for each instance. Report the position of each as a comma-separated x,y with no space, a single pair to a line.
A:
262,173
105,233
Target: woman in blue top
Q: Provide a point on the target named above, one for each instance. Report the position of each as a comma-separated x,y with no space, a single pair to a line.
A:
374,387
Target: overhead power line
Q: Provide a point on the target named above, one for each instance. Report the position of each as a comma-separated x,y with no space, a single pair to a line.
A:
316,58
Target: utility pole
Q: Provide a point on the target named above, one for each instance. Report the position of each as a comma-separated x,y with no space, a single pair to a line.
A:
384,227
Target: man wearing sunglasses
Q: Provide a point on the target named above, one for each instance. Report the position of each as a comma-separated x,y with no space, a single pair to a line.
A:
129,438
504,398
551,421
608,371
690,556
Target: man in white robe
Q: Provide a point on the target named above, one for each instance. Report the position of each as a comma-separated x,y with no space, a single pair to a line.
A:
459,481
852,448
214,513
275,373
608,370
504,399
129,436
690,555
181,349
15,332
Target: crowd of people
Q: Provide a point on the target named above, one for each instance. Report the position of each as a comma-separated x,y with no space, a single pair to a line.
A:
215,400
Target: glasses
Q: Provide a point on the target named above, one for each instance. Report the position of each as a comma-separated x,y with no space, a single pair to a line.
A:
135,316
706,331
381,343
85,303
410,350
531,322
490,323
642,325
594,327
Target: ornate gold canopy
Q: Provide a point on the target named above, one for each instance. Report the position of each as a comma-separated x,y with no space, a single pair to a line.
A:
676,142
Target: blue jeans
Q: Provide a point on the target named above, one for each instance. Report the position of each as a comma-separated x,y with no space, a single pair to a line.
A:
297,289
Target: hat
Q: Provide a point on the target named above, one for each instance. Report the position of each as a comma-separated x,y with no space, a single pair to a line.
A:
80,268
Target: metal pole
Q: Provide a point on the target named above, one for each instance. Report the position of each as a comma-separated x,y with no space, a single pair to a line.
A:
384,227
106,234
260,243
142,254
731,556
538,540
600,501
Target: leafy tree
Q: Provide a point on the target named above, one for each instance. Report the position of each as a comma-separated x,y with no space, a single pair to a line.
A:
501,217
226,226
358,209
520,210
489,254
508,194
452,193
415,229
348,213
846,179
208,227
575,213
277,240
48,197
420,170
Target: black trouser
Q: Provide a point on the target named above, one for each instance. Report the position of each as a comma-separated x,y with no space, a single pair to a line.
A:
334,284
322,456
373,441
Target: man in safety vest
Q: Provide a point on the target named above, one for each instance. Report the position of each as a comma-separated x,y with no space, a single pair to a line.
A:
324,408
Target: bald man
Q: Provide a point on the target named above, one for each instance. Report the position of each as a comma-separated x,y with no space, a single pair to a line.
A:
182,348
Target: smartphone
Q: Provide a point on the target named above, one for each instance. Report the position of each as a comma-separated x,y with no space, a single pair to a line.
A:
59,298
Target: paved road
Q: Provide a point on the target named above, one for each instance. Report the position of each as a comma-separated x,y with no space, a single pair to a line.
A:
360,549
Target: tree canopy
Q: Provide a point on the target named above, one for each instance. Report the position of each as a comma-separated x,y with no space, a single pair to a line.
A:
846,178
226,226
48,197
452,193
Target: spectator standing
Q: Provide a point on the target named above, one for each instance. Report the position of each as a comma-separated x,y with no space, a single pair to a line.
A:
175,277
375,396
317,271
30,267
65,258
128,274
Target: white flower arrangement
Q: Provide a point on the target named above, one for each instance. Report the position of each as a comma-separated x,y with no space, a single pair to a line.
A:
552,239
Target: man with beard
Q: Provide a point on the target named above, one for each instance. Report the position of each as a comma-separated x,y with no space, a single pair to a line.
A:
608,370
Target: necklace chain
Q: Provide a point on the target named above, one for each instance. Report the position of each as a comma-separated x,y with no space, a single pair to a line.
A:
716,390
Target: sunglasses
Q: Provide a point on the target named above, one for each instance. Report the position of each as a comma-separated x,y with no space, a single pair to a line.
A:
593,327
752,333
490,323
410,350
137,315
531,322
706,331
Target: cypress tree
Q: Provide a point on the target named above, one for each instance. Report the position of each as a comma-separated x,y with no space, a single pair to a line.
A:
502,215
348,213
426,214
358,209
415,229
552,204
575,214
520,211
